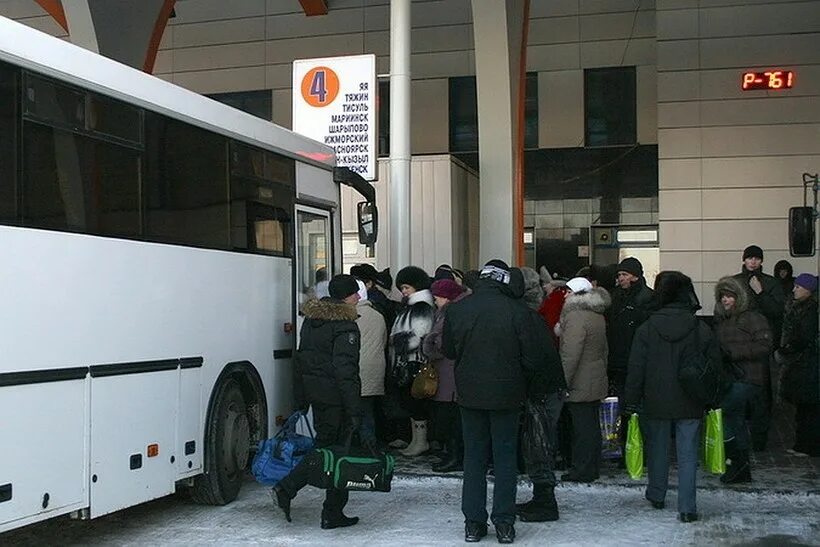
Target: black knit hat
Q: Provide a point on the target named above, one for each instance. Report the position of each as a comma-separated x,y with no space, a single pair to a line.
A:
342,286
413,276
752,251
631,265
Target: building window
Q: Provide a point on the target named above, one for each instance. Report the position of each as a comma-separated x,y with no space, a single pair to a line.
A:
383,107
609,106
464,113
258,103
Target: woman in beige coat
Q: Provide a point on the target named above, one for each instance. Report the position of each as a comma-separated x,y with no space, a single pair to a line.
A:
373,335
583,354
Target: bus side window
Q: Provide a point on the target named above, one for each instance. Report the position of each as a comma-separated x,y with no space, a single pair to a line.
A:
8,144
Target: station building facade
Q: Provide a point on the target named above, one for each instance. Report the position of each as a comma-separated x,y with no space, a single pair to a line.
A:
639,138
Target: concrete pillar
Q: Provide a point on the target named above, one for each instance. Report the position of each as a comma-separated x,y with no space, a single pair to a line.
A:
500,31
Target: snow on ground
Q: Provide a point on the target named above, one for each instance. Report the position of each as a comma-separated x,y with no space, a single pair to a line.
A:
426,511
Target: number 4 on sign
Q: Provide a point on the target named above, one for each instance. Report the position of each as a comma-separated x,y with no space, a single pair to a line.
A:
318,87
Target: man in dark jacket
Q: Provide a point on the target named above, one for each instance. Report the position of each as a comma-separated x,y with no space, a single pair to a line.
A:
327,379
631,301
489,336
765,297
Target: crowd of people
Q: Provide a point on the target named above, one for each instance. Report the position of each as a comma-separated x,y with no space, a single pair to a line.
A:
506,346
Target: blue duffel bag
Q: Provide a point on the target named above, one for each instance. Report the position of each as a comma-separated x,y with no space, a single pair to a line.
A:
276,457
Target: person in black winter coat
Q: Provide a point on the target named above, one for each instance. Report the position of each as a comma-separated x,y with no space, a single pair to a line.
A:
489,336
631,303
545,400
798,354
327,379
766,297
652,389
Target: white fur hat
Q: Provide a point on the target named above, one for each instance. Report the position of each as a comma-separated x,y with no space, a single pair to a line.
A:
579,284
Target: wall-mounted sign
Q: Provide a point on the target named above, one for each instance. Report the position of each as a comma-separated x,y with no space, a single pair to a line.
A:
770,79
334,102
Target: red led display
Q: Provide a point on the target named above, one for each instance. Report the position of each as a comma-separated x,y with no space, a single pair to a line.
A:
770,79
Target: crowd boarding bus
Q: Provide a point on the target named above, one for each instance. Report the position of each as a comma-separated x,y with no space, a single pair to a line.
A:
153,247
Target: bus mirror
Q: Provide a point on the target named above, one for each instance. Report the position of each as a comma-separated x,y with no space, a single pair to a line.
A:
368,216
801,231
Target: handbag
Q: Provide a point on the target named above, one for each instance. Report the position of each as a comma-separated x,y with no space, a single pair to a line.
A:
634,448
277,456
714,455
425,383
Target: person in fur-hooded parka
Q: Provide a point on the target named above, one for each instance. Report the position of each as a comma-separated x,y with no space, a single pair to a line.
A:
584,354
745,339
744,334
584,344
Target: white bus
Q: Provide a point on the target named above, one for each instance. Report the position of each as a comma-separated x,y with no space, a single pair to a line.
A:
152,246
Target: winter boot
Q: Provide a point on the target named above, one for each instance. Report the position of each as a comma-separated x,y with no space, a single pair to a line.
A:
419,443
454,459
737,465
542,508
282,500
339,520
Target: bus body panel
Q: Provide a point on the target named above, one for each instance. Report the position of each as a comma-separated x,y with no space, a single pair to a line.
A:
131,412
43,430
114,302
190,423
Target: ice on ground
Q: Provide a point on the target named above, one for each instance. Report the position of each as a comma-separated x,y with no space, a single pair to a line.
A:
426,511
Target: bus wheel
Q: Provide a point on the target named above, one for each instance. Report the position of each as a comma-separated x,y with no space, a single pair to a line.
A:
227,448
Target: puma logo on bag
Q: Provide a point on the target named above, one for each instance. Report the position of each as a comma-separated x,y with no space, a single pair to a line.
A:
370,483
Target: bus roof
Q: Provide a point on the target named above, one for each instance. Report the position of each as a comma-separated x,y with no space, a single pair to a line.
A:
31,49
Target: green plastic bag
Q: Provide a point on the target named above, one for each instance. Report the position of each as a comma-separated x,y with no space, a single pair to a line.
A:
634,448
714,455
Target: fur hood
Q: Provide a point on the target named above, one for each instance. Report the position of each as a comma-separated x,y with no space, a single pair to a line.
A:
597,300
732,285
533,293
328,309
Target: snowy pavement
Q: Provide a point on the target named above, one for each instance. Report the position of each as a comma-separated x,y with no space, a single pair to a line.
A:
425,511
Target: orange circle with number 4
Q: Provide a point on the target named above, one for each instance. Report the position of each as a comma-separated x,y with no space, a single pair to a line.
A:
320,86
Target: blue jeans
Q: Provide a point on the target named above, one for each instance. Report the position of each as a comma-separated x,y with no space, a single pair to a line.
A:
734,413
367,431
485,431
657,435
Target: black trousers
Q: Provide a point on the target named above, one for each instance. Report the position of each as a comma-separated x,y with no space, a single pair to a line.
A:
807,428
330,423
489,432
586,440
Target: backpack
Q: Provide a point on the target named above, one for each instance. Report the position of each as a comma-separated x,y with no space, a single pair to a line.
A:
701,377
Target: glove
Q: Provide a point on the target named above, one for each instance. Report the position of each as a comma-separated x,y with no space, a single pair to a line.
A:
630,409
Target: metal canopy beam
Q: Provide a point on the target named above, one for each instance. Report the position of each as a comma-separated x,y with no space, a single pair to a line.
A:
314,7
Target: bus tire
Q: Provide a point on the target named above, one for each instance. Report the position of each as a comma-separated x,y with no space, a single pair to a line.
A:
227,448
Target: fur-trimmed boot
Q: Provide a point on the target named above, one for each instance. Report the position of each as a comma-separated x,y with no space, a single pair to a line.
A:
419,444
543,507
737,465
